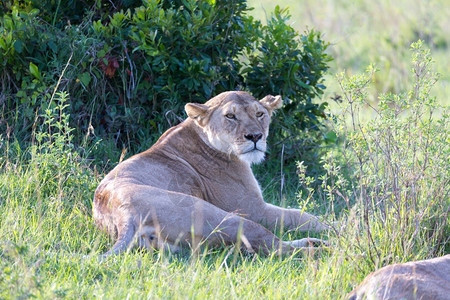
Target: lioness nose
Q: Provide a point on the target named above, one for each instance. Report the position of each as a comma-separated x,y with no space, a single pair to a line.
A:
254,137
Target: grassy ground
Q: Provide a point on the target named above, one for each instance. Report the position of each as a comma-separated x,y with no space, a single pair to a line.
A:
49,249
49,245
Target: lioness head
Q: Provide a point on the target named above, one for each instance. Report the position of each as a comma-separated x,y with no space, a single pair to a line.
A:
236,123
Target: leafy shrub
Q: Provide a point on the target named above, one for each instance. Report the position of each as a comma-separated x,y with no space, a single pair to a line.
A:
47,188
397,164
63,12
51,161
32,57
293,68
130,72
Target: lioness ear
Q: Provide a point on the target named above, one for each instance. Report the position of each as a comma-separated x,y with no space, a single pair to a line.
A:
197,112
271,103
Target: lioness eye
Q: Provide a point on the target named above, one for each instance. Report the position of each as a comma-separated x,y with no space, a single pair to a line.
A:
259,114
230,116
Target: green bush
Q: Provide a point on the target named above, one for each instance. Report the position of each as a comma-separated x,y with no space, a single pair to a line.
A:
292,66
46,187
60,13
130,72
397,164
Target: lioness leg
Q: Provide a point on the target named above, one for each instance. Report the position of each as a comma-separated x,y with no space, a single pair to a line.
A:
291,218
178,219
273,217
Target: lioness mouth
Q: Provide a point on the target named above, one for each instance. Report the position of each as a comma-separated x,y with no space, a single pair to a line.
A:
251,150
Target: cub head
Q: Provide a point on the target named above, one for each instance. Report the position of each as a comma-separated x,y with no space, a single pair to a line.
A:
236,123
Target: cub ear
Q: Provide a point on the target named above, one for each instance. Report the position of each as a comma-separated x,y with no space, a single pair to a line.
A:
271,103
197,112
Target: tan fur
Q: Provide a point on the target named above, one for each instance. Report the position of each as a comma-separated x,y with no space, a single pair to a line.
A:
425,279
195,184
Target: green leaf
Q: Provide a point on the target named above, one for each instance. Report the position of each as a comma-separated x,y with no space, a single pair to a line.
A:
18,46
21,94
101,54
35,71
53,46
331,137
85,78
2,44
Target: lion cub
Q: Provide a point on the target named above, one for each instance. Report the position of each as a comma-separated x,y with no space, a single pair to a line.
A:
195,184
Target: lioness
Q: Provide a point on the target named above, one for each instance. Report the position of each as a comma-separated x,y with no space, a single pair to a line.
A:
195,184
424,279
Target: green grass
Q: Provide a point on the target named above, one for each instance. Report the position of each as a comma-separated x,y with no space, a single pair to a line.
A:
139,275
49,245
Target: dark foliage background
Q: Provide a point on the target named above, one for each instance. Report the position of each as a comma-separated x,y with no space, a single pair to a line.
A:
131,66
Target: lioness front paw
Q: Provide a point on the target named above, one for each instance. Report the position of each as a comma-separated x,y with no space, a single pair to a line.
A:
308,243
